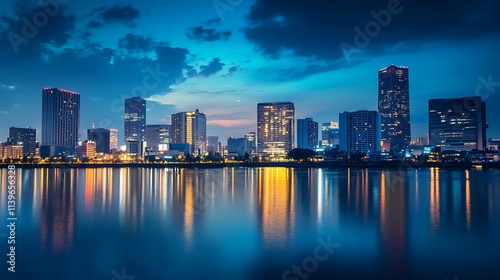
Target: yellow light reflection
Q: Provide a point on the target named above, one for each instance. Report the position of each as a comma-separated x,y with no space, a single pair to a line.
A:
435,199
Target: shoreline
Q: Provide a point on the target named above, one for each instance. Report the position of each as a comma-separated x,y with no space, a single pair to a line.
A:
333,165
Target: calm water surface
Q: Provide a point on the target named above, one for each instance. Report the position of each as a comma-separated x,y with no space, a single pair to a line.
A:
254,223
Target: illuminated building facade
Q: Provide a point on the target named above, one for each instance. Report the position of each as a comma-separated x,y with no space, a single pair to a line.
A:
394,108
60,118
307,133
251,138
101,138
359,131
329,134
158,137
275,129
113,139
135,119
213,144
458,123
190,128
26,136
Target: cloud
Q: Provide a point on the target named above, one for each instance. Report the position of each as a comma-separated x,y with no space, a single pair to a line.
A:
212,68
232,70
122,14
136,43
21,36
207,34
94,24
316,28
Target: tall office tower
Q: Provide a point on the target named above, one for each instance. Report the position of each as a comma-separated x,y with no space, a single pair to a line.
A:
26,136
135,119
458,123
60,118
394,107
101,138
360,131
190,128
252,145
329,134
275,129
158,137
307,133
213,144
113,139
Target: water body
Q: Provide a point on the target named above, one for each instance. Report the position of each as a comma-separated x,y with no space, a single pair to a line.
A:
253,223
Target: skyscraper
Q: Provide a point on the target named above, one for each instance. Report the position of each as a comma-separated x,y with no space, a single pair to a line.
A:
101,139
158,136
458,123
394,108
27,136
190,128
252,146
135,119
60,118
213,144
307,133
275,128
359,131
113,139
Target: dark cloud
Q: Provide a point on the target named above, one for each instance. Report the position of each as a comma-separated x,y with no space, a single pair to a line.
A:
212,68
207,34
316,28
232,70
122,14
94,24
136,43
31,31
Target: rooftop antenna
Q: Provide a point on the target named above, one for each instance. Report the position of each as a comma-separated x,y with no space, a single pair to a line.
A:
93,125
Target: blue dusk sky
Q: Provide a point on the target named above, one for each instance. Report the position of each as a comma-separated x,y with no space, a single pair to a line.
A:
223,57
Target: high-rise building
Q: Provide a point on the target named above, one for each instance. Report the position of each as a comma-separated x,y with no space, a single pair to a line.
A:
213,144
275,129
113,139
60,118
252,145
101,138
394,108
359,131
158,137
135,119
458,123
307,133
237,146
329,134
135,126
190,128
26,136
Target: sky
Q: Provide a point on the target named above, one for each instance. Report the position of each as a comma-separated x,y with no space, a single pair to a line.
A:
225,56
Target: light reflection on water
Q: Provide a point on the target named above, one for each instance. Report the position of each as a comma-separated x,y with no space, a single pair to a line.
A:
254,223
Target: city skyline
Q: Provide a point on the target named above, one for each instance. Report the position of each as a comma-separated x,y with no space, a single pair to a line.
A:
224,63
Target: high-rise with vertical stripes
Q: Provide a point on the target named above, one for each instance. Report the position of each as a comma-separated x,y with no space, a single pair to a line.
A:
394,108
60,117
